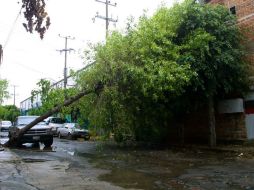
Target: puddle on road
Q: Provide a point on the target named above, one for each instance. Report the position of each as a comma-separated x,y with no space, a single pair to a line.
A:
129,178
37,147
3,140
33,160
161,170
131,169
148,179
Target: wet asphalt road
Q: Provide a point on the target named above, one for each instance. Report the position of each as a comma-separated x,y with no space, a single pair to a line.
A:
64,166
89,165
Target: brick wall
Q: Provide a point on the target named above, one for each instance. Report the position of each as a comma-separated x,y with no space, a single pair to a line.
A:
229,127
232,126
196,127
245,16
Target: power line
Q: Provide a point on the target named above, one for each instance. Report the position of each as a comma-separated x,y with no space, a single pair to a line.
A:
12,29
28,68
8,37
32,69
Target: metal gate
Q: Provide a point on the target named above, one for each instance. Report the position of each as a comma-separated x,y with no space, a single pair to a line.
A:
249,122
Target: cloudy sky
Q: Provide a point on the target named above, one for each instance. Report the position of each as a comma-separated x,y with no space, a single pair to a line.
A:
28,59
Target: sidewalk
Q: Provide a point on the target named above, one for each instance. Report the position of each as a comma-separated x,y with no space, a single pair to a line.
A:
10,178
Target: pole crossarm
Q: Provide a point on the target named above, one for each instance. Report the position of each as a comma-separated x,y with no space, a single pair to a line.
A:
107,2
65,50
106,18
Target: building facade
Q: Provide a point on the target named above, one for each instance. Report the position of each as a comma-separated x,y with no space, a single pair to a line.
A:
243,126
244,11
234,117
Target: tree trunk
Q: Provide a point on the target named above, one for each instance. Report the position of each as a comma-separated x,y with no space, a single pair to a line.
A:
211,120
18,133
181,133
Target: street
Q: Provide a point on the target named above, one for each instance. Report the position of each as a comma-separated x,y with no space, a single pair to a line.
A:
90,165
58,168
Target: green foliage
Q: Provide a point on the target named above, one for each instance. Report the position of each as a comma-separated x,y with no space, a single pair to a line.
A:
154,71
210,42
161,68
44,89
9,112
3,90
50,98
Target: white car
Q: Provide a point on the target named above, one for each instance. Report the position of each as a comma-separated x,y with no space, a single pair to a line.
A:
54,123
4,128
73,131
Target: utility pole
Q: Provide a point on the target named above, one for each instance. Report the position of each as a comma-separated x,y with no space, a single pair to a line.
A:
106,18
65,50
14,94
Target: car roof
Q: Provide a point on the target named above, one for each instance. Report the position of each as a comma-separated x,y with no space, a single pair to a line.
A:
24,116
54,117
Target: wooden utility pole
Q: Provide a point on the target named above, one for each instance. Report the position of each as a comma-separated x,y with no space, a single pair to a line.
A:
106,18
14,95
65,50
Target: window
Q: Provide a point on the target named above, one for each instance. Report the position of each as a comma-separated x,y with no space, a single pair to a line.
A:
232,10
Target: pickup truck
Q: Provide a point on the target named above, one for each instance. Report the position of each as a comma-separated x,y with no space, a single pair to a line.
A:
38,133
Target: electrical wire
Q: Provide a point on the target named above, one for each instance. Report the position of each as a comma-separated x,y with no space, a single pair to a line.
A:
12,29
28,68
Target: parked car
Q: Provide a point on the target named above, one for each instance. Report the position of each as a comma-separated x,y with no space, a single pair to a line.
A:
38,133
54,123
73,131
4,128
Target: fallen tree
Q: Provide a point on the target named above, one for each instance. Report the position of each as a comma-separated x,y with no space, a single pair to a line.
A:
17,134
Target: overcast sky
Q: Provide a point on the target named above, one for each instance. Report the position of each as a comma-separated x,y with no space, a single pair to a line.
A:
28,59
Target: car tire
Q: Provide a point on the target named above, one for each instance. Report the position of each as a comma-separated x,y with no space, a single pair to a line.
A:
87,138
48,143
69,136
36,145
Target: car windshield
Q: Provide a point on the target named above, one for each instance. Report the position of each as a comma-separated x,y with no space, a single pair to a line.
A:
77,126
57,120
6,123
25,120
72,125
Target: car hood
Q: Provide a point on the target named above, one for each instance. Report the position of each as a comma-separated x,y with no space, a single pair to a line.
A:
39,126
55,125
5,126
